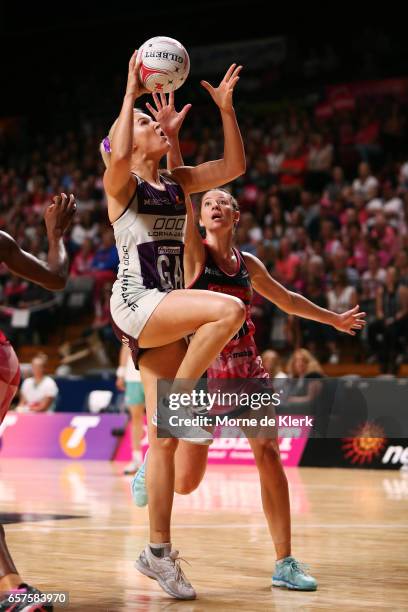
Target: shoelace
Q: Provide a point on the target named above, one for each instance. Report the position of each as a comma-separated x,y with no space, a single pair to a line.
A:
299,567
174,559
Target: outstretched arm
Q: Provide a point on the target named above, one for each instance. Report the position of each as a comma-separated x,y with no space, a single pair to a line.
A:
221,171
171,121
296,304
52,274
117,179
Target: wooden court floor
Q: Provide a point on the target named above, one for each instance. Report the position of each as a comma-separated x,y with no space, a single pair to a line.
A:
350,526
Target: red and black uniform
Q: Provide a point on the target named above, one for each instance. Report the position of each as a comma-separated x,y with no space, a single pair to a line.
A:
9,375
240,357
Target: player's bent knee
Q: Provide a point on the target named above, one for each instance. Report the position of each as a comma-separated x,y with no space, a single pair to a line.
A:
235,312
266,450
166,445
185,486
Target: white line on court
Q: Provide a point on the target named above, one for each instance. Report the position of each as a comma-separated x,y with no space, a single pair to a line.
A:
209,527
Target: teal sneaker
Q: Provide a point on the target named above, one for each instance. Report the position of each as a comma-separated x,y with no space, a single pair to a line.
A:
291,574
139,491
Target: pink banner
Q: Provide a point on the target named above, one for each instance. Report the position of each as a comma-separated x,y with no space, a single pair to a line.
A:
229,450
386,87
60,436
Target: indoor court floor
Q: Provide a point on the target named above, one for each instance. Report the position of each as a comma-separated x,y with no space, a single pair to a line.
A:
73,527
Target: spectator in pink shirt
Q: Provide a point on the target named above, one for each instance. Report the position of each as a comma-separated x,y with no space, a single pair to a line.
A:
329,237
287,265
385,238
367,138
356,246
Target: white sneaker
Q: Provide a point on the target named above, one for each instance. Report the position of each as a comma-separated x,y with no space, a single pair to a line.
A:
334,359
188,433
131,468
168,573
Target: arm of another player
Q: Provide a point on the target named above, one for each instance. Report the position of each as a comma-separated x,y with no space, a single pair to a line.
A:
121,371
296,304
210,175
171,121
52,274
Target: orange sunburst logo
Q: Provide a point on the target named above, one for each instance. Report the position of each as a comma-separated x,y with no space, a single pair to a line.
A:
367,442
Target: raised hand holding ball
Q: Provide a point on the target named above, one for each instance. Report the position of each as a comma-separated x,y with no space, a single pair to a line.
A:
164,64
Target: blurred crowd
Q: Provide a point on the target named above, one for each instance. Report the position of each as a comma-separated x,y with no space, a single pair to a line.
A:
324,204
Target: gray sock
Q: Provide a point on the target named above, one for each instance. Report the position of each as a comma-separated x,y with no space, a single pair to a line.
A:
160,550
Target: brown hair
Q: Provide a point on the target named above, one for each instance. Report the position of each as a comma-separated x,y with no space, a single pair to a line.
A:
40,357
312,363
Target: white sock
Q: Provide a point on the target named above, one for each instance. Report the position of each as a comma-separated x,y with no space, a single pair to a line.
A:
137,457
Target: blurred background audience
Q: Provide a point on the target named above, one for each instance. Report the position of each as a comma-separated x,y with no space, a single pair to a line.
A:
324,201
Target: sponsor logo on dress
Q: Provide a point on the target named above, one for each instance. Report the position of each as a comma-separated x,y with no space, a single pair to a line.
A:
156,202
168,250
167,227
247,353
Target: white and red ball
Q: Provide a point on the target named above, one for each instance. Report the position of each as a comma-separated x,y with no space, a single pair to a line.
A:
164,64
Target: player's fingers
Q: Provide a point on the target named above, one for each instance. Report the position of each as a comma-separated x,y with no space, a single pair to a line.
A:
185,110
157,101
64,202
61,199
233,82
229,72
171,98
207,86
132,60
71,204
57,199
163,99
236,72
151,109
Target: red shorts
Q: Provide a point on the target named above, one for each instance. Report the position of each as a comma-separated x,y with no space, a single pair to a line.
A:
9,375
